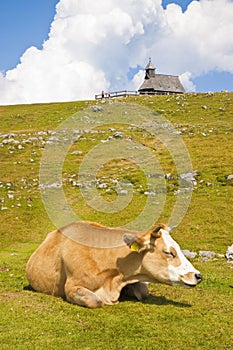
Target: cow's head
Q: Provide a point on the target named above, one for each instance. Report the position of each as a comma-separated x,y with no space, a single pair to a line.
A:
162,259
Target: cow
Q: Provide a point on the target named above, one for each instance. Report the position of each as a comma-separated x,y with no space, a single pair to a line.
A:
107,262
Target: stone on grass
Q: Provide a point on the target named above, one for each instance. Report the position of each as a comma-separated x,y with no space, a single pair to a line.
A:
97,108
118,134
189,254
229,254
122,192
206,254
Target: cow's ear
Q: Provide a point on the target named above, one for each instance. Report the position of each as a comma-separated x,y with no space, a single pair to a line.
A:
133,242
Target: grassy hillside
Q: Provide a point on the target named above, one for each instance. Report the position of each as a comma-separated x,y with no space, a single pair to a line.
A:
198,318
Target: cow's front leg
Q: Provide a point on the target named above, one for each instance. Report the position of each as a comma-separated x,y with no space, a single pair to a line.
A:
79,295
137,290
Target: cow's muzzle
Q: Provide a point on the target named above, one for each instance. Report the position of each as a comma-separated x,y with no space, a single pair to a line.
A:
198,277
190,280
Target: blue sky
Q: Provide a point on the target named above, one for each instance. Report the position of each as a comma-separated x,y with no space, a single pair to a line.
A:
23,23
182,3
26,23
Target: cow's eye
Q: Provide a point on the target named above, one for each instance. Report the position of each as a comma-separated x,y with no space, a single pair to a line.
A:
170,254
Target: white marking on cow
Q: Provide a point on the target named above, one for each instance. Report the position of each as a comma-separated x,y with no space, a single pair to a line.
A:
185,267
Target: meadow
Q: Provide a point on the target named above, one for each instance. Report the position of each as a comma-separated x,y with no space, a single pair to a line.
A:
171,317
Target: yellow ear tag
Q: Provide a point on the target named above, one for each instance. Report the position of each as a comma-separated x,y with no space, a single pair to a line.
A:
134,247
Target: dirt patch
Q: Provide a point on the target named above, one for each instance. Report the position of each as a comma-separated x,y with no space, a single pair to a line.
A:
5,268
6,296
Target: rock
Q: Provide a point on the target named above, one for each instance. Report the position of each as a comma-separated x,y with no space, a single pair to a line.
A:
190,177
122,192
97,108
168,176
10,141
118,134
49,143
206,254
53,185
150,193
77,184
78,153
40,133
220,255
230,177
104,141
189,254
103,185
229,253
10,196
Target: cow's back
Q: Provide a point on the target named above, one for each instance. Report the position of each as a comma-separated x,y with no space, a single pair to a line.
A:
45,271
90,234
81,251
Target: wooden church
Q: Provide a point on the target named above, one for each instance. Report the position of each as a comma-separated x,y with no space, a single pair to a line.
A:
159,84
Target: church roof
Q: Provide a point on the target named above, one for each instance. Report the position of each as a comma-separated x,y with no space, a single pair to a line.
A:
162,83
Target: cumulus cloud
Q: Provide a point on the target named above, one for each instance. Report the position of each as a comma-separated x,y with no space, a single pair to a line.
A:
201,37
186,81
137,79
92,46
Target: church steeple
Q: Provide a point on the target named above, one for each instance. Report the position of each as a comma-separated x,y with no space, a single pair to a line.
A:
159,84
150,70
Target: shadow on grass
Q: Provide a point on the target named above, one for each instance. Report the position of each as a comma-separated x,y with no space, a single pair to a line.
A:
156,300
29,288
161,300
151,300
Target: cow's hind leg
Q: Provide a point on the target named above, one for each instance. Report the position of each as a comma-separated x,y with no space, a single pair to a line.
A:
137,290
79,295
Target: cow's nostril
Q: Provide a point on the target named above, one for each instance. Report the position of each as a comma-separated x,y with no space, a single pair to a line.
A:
198,277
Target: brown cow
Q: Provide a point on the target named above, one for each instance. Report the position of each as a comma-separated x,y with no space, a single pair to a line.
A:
93,274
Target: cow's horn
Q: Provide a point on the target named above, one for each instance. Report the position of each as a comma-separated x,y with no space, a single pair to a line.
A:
156,230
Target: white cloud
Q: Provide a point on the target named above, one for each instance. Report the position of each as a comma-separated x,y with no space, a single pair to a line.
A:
201,37
186,81
137,79
92,46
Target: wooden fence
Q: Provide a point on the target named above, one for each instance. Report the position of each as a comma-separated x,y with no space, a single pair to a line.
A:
116,94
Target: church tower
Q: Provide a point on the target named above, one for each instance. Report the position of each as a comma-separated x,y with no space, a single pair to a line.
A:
150,70
160,84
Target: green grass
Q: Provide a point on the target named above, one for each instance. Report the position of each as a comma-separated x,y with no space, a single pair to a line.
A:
178,318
